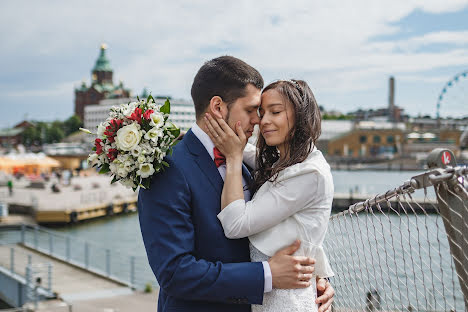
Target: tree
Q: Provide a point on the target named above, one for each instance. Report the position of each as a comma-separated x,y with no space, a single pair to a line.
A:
72,124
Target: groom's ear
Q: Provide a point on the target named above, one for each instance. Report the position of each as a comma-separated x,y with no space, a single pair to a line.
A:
218,107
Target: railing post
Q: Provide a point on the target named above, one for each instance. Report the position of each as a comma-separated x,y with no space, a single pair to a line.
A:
23,229
51,244
108,267
49,277
68,248
12,260
132,271
36,239
86,254
29,296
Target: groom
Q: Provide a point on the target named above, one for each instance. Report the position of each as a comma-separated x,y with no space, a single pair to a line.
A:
197,267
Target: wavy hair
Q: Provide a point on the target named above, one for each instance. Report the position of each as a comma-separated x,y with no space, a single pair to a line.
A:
301,138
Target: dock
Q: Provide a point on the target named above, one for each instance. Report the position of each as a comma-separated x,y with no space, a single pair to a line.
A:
50,278
85,198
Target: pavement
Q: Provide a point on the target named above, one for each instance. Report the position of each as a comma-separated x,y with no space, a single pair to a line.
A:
83,290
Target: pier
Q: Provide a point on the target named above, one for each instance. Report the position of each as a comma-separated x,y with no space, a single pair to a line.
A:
44,275
84,198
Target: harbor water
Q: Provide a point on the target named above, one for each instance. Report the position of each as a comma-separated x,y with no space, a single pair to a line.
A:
122,233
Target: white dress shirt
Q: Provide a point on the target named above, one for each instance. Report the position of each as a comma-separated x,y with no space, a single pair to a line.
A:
296,206
209,145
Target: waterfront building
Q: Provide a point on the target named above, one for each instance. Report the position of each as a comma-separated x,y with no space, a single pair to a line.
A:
71,156
13,136
367,143
101,87
332,129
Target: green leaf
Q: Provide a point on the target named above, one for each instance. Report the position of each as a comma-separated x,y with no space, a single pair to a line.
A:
150,97
165,163
174,131
104,169
166,108
115,179
146,182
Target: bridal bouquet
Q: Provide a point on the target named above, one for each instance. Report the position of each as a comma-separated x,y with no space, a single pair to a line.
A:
133,141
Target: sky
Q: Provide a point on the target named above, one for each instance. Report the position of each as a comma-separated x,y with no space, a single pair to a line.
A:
345,50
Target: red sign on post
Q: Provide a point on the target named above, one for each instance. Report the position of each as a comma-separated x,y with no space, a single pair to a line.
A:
446,158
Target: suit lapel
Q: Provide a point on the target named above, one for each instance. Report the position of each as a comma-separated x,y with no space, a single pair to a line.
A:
204,161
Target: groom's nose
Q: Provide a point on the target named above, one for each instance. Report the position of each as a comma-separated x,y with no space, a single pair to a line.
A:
255,120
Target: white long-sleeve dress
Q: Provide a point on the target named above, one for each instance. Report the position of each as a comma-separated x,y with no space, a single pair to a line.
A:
296,206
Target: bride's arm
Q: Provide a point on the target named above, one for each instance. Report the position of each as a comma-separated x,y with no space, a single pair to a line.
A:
232,146
241,219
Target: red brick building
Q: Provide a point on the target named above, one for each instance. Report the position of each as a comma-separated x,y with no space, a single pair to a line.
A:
102,86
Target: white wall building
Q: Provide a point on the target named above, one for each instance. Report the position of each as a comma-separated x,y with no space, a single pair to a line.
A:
182,112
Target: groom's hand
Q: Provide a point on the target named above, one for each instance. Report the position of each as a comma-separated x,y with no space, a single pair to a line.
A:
288,271
325,293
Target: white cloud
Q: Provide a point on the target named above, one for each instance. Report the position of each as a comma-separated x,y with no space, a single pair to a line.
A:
161,44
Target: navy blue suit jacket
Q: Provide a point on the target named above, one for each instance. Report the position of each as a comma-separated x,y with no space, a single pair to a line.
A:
197,267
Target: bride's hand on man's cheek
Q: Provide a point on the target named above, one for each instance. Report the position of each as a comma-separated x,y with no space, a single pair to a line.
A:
225,139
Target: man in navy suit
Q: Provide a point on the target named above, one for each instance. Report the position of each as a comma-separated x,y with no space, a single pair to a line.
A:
197,267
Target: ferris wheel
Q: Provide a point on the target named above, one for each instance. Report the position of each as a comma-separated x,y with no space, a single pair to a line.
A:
453,99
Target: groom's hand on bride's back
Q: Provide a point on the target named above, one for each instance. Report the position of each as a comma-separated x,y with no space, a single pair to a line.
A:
288,271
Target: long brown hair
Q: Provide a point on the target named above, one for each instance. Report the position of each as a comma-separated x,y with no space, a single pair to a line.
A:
301,138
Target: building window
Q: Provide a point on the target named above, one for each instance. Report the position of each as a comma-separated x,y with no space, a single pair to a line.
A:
390,139
362,139
376,138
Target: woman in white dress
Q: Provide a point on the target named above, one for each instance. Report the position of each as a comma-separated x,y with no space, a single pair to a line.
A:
292,186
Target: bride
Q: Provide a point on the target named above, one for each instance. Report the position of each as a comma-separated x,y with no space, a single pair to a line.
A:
293,186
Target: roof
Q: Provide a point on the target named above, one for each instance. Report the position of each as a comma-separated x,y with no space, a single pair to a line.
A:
102,63
10,132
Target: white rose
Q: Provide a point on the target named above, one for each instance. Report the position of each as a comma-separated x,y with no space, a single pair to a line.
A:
145,170
154,134
128,137
157,120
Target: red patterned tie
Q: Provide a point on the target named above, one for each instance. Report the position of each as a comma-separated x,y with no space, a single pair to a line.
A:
219,158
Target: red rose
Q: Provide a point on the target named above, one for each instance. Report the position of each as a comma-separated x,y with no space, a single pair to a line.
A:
112,154
147,114
97,143
136,115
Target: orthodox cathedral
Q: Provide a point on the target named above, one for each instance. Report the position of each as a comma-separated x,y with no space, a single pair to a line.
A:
102,86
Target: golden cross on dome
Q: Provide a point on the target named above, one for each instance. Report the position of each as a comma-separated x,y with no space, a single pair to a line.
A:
103,46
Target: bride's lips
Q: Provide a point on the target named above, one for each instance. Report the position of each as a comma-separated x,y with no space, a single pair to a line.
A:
266,132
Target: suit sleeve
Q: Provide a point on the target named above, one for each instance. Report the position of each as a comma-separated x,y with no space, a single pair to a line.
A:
169,238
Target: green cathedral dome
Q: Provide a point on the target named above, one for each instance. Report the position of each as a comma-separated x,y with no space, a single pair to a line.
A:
102,63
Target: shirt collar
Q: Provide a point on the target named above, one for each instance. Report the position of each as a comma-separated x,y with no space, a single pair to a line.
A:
204,139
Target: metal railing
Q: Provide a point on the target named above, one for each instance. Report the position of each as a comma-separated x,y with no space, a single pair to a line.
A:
390,254
114,264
